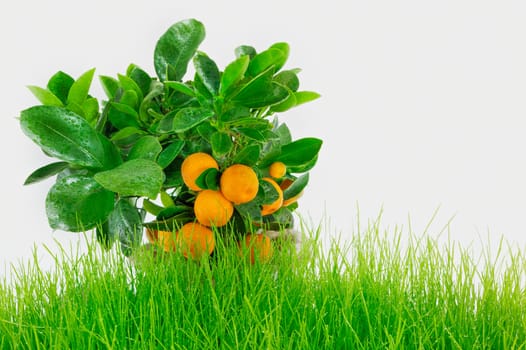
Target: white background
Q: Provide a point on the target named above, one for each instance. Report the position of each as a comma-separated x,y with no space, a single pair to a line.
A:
423,102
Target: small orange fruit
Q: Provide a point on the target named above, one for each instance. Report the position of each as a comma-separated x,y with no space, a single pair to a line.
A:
193,166
277,170
211,208
267,209
166,239
239,183
259,246
194,240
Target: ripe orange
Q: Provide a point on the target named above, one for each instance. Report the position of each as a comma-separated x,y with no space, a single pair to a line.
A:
211,208
166,239
259,246
239,183
194,165
194,240
277,170
268,209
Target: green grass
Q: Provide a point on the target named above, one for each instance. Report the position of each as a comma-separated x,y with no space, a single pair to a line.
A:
381,291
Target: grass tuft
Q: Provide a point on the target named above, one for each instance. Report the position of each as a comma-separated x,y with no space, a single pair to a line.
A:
371,293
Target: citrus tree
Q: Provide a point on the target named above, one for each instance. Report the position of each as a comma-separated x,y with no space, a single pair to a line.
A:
209,151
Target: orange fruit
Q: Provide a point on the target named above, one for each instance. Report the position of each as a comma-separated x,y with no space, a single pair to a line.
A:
211,208
194,240
166,239
152,235
267,209
239,183
194,165
277,170
259,247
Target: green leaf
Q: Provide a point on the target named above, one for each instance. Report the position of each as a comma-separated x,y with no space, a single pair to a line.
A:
180,87
167,200
125,222
221,143
60,84
110,86
122,116
64,135
129,84
127,136
206,130
284,48
46,97
305,96
147,147
250,211
80,88
300,151
252,134
249,155
168,155
288,78
136,177
284,134
261,91
208,179
176,47
270,193
189,117
46,172
233,73
206,69
297,186
266,59
78,203
284,105
151,207
90,108
129,98
303,167
245,50
140,77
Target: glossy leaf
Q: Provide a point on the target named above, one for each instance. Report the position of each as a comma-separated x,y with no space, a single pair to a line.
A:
90,107
129,98
147,147
285,49
128,83
249,155
284,134
46,172
80,88
221,143
209,179
136,177
189,117
288,78
300,151
305,96
45,96
127,136
261,91
64,135
168,155
269,191
125,222
181,87
233,73
297,186
245,50
122,116
266,59
176,47
60,84
78,203
110,86
140,77
207,71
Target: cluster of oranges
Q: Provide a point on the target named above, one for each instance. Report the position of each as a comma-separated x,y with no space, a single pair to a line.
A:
238,184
